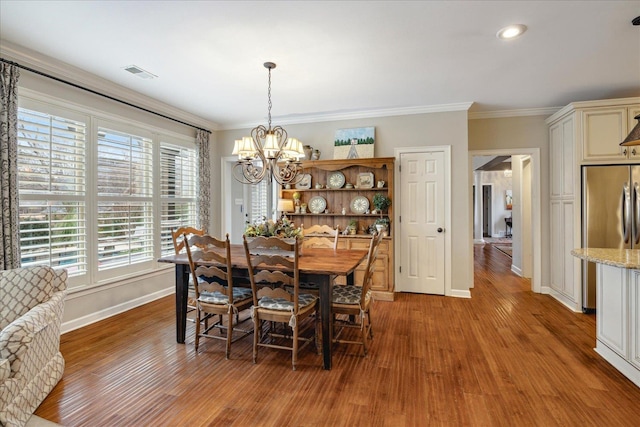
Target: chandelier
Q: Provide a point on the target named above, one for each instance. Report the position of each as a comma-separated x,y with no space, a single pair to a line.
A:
268,153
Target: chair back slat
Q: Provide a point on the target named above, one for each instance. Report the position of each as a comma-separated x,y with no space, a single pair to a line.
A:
272,260
274,293
212,287
270,243
210,272
321,236
178,237
266,276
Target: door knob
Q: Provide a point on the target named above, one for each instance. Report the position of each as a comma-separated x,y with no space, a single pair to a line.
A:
440,229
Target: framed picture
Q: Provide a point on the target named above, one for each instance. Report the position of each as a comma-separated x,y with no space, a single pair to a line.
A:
508,199
305,182
354,143
365,180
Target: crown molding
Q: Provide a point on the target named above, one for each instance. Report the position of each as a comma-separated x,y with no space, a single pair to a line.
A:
617,102
67,72
499,114
361,114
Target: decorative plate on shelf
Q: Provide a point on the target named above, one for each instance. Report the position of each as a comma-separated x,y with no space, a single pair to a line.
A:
336,180
359,204
365,180
317,204
305,182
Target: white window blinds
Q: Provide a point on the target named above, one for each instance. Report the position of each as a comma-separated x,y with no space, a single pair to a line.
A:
52,191
177,191
259,209
125,199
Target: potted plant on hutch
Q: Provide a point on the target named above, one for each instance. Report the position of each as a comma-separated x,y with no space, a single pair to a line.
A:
381,202
352,227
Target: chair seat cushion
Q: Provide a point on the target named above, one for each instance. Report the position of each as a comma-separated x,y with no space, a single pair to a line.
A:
346,294
285,305
239,294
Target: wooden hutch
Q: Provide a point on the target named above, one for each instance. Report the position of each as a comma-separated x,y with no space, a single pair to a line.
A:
348,188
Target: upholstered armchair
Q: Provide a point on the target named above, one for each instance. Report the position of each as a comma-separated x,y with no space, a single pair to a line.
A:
31,307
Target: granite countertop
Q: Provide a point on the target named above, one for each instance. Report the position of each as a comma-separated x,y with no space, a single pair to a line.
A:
623,258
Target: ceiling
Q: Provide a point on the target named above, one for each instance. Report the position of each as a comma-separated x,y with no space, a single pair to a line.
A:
491,163
340,59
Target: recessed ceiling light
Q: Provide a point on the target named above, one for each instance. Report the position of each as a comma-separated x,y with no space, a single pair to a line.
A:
511,32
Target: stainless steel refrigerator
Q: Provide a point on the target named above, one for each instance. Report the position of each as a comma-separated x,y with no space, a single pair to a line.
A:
610,216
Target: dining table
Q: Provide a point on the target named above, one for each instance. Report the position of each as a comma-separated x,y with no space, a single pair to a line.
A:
316,265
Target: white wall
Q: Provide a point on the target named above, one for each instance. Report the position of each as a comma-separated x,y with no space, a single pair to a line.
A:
499,210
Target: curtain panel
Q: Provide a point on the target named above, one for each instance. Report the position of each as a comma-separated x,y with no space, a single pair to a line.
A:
9,225
204,180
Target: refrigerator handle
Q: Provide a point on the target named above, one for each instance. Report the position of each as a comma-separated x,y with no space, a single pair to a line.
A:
626,223
636,214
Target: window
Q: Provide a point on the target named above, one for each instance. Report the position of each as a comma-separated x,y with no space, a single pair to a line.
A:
177,191
99,197
125,199
52,190
259,208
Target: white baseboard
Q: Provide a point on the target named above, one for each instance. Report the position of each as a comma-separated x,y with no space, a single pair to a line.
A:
622,365
478,241
571,305
517,270
459,293
116,309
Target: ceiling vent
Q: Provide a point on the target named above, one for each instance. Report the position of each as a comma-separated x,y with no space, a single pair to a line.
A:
135,70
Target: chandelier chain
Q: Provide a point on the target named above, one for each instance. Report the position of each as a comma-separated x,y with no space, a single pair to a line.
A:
269,96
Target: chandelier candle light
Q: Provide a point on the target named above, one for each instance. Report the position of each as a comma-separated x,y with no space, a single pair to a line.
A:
268,153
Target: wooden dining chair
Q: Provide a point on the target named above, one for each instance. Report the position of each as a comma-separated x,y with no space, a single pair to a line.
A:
351,305
321,236
179,241
273,264
215,293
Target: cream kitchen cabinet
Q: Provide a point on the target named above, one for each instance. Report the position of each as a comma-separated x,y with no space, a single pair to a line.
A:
617,307
603,130
581,133
634,319
565,269
562,157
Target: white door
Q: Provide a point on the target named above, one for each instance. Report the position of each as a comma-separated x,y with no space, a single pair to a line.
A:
422,211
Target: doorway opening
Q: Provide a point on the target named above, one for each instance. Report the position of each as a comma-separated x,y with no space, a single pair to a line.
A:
487,215
516,211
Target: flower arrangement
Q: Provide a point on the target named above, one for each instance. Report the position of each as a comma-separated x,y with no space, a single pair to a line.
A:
283,227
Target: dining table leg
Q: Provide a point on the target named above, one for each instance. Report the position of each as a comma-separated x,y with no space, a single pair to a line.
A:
325,288
182,293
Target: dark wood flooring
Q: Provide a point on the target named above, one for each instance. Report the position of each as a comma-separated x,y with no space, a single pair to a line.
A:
505,357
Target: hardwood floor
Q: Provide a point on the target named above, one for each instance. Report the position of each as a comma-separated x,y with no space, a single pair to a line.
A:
505,357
